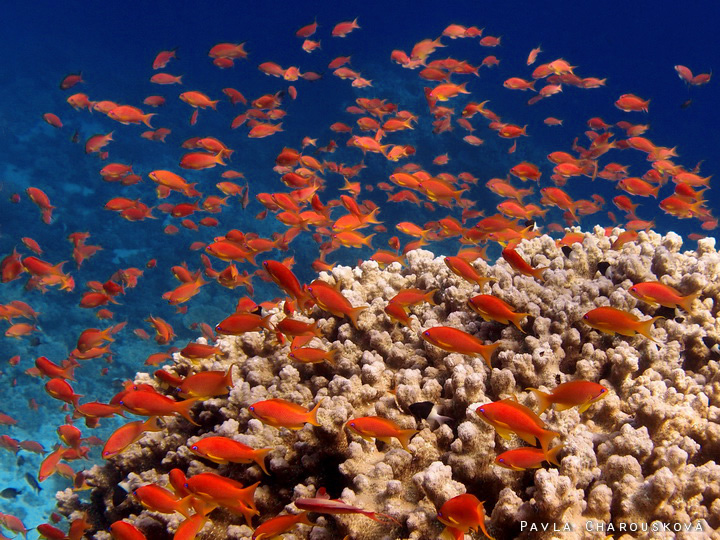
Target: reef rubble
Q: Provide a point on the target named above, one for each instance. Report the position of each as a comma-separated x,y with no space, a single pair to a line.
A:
646,454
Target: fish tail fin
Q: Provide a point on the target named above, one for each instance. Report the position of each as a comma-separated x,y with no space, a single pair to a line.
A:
303,519
312,414
183,409
146,119
644,327
488,351
265,322
517,317
429,297
331,358
213,104
538,272
367,241
404,436
546,438
551,455
355,313
151,424
687,301
219,158
185,505
543,398
259,458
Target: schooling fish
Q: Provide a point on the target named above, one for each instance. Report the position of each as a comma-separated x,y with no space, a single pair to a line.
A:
615,321
380,428
280,413
454,340
462,514
654,292
570,394
492,308
510,416
224,450
323,504
524,458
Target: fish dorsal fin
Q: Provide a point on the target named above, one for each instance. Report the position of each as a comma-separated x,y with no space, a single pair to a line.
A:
322,494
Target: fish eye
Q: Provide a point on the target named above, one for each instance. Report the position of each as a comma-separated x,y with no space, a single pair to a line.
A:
480,410
633,288
586,317
194,447
352,424
251,407
501,460
603,390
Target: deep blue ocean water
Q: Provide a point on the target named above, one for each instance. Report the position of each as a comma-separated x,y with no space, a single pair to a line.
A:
633,45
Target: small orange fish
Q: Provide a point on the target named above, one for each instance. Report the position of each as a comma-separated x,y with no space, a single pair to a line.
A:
310,355
380,428
524,458
224,450
330,299
274,527
492,308
462,514
454,340
615,321
159,499
207,384
280,413
518,263
654,292
126,435
146,403
570,394
462,268
508,416
122,530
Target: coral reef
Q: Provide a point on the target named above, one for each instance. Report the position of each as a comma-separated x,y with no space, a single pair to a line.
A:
644,454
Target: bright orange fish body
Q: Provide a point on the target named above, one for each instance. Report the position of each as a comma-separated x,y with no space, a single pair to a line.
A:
518,263
281,413
492,308
615,321
330,299
463,269
521,459
463,513
454,340
654,292
510,416
570,394
380,428
224,450
273,527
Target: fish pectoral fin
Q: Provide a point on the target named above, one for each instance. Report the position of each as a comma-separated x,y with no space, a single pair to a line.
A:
564,406
503,432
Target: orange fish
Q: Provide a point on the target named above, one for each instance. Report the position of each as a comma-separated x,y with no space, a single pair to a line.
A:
570,394
159,499
615,321
224,450
200,160
518,263
654,292
462,268
344,28
310,355
207,384
126,114
380,428
153,404
126,435
454,340
508,416
521,459
330,299
280,413
492,308
122,530
239,323
274,527
462,514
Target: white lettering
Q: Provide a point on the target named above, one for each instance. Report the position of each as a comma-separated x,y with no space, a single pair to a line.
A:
523,524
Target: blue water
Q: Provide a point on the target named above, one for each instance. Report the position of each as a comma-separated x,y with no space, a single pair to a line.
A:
633,45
